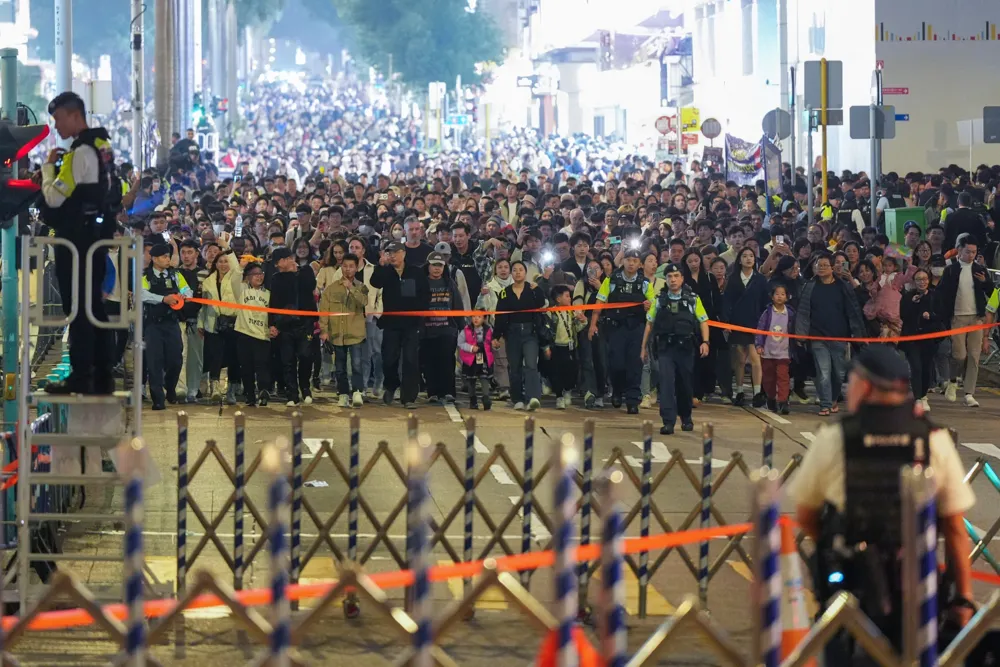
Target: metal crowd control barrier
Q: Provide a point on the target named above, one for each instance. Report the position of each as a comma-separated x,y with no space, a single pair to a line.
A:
423,631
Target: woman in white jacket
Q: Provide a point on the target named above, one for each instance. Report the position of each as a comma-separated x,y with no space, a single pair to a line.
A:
218,324
488,300
253,335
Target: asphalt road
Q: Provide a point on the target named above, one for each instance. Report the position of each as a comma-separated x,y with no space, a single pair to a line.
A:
498,632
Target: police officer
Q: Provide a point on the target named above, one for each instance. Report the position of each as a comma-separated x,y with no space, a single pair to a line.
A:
162,289
847,492
679,323
624,327
81,197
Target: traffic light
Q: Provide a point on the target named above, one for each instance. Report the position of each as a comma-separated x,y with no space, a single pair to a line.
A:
17,194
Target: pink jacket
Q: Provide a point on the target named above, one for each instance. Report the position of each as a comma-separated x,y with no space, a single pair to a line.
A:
469,358
884,304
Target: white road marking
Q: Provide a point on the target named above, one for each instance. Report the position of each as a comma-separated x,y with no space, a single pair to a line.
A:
477,443
312,446
660,452
767,414
808,435
539,533
500,474
662,455
986,448
453,412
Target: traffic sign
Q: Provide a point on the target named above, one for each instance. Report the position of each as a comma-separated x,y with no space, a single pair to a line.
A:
902,117
885,122
777,123
711,128
895,91
458,119
991,125
879,64
834,84
665,124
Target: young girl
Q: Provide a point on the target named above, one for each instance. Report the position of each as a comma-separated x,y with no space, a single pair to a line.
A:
884,304
562,349
475,350
775,351
253,334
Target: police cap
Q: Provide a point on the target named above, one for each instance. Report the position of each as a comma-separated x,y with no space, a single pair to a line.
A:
883,366
671,268
160,249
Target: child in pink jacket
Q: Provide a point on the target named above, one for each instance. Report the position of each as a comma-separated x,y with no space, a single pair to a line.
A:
886,293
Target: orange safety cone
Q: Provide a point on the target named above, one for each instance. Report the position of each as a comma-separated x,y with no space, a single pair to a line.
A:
549,649
794,615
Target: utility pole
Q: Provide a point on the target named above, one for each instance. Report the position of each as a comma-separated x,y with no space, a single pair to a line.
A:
138,88
196,54
232,63
166,79
8,281
64,50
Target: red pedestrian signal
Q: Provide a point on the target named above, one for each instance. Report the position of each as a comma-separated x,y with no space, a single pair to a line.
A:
17,194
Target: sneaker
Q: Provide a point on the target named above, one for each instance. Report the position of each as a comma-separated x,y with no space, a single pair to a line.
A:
783,408
315,384
970,401
568,399
387,398
560,403
290,404
589,401
687,426
343,401
726,400
503,395
307,400
925,404
632,410
772,405
474,402
759,400
647,402
534,404
599,402
801,395
410,405
434,400
546,389
951,391
449,399
357,399
739,399
519,406
487,402
263,398
667,430
616,402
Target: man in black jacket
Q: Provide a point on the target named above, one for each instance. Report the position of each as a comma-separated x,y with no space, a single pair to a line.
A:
404,288
292,289
965,221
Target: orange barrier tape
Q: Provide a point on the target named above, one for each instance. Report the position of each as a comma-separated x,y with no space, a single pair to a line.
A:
891,339
405,313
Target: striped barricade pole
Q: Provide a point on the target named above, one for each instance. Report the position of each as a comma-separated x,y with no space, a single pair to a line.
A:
411,436
767,444
131,460
296,498
239,435
182,491
767,584
529,481
277,502
611,615
566,459
587,493
644,502
469,500
925,508
706,511
352,606
418,455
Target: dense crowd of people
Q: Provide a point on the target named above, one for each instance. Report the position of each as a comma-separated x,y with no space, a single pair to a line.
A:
333,209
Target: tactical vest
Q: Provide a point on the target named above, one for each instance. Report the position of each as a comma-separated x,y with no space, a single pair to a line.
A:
675,321
623,291
89,212
163,287
878,441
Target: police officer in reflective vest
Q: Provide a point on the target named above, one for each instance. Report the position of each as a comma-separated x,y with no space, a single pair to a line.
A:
81,196
679,324
848,496
624,327
162,290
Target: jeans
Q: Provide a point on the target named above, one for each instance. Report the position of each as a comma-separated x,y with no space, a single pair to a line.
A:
340,353
371,355
522,356
830,358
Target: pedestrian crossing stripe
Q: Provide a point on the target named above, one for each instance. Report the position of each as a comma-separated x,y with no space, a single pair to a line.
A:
656,604
740,568
491,600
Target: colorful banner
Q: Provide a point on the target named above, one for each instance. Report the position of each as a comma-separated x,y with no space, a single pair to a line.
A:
690,119
744,164
772,170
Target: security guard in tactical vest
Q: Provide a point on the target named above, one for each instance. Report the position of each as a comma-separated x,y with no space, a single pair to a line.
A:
623,327
679,324
82,195
848,497
162,289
